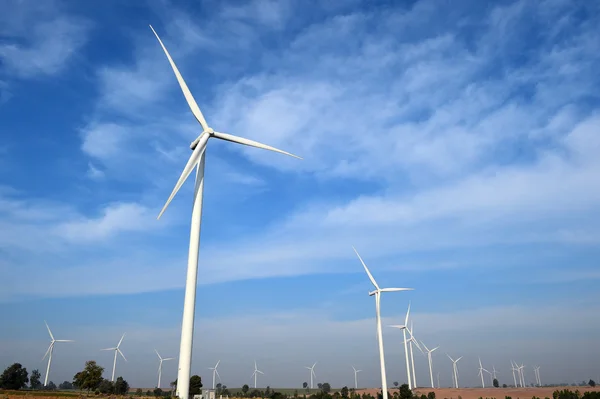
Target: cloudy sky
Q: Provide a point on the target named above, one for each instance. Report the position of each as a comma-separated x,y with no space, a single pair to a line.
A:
455,144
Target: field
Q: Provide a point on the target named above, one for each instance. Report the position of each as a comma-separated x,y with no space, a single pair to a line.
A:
498,393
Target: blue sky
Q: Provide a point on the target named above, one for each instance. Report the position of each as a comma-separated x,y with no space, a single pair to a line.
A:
454,144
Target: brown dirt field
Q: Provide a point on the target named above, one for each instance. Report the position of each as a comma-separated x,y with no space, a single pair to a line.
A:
498,393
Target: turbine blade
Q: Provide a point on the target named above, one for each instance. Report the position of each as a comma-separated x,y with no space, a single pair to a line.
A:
437,347
121,340
258,371
407,313
400,326
459,359
395,289
187,170
49,332
121,353
366,269
64,340
158,354
108,349
425,346
47,352
251,143
217,373
186,91
167,358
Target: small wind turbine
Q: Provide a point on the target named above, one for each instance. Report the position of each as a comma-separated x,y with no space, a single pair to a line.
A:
538,380
196,160
50,350
117,350
160,366
256,372
377,293
494,371
454,369
412,341
403,328
312,373
522,374
355,378
513,367
491,376
430,361
216,373
481,370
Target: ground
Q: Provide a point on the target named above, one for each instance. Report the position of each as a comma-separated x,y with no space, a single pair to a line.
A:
498,393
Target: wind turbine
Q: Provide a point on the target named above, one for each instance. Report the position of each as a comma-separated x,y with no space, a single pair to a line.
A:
255,374
196,160
522,375
50,350
355,378
430,361
312,373
216,373
538,380
412,341
160,366
377,292
403,328
513,367
494,371
454,369
481,370
117,350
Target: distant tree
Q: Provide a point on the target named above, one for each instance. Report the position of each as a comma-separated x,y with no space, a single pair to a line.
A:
305,385
90,377
504,386
268,391
106,387
592,383
405,392
139,392
34,380
495,383
14,377
326,387
245,389
195,385
431,395
344,392
148,393
396,384
121,386
65,385
50,387
158,392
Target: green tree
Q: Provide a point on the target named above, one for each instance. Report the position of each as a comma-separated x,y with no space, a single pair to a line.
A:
495,383
106,387
305,385
326,387
245,389
65,385
51,386
396,384
320,385
139,392
195,385
268,391
90,377
34,380
405,392
14,377
121,386
431,395
344,392
158,392
592,383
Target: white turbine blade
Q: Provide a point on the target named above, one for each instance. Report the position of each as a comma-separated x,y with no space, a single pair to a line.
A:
47,352
108,349
400,326
167,358
407,313
425,346
186,91
217,365
458,359
49,332
121,353
437,347
121,340
308,367
187,170
217,372
353,369
64,340
480,366
450,357
395,289
158,355
366,269
313,366
258,371
251,143
417,344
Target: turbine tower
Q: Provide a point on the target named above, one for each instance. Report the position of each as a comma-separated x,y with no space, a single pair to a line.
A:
430,361
117,350
256,372
196,160
160,366
522,374
481,370
538,380
403,328
355,378
513,367
216,373
412,341
454,369
312,373
377,293
50,350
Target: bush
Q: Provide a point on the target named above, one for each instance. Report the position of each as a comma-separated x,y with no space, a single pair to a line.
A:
431,395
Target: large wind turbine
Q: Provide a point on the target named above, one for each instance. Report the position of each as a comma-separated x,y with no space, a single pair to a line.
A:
196,160
403,328
377,292
412,341
216,373
117,350
454,369
160,366
312,373
355,378
481,370
50,350
256,372
430,361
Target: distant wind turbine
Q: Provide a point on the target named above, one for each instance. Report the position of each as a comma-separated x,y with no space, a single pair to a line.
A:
513,367
454,369
403,328
312,373
256,372
117,350
355,378
216,373
412,341
196,161
430,361
377,293
50,350
538,380
481,370
522,374
494,371
160,366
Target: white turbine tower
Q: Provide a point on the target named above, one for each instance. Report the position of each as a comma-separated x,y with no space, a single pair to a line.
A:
412,341
50,350
454,369
377,293
312,373
522,374
403,328
196,160
216,373
538,380
481,370
256,372
160,366
430,361
117,350
355,378
513,367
